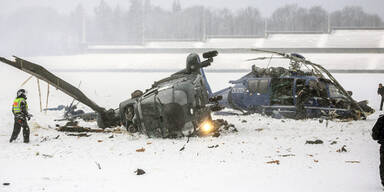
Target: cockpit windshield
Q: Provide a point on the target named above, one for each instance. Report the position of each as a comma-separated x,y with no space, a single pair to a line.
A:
334,92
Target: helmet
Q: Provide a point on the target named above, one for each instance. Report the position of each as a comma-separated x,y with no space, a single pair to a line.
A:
21,93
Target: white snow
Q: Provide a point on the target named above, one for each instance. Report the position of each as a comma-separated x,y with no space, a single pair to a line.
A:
239,163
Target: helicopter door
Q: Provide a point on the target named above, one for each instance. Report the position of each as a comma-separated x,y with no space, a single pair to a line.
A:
257,93
318,94
282,91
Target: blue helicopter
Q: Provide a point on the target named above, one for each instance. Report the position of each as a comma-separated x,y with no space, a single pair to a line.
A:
301,90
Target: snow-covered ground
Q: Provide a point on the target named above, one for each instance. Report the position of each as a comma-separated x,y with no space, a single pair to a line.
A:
238,163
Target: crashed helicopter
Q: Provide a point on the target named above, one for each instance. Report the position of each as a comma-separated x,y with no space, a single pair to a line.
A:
174,106
301,90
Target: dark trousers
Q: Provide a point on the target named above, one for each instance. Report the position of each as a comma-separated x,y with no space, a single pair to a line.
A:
16,130
381,103
381,167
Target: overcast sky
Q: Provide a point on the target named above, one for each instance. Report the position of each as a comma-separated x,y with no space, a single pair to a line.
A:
266,7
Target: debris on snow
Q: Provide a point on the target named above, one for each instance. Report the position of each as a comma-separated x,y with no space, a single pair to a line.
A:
184,145
140,150
78,129
221,123
78,134
274,162
342,149
333,142
317,141
287,155
73,127
72,123
213,146
47,156
140,172
352,161
44,139
98,165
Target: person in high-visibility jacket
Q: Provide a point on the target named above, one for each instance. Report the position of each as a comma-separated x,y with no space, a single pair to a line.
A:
20,111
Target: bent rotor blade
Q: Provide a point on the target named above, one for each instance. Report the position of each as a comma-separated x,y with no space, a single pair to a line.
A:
267,51
43,74
264,58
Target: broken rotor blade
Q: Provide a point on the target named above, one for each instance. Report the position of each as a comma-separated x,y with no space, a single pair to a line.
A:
43,74
263,58
267,51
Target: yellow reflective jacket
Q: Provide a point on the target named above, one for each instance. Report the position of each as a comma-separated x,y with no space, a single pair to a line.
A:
16,107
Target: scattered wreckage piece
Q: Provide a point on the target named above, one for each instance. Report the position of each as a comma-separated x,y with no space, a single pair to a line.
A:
139,172
301,90
277,162
343,149
352,161
73,127
78,129
78,134
92,116
317,141
174,106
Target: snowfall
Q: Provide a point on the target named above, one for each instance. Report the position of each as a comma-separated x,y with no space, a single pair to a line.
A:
265,154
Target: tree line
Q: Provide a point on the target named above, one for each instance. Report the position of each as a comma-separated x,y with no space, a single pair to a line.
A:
143,21
44,30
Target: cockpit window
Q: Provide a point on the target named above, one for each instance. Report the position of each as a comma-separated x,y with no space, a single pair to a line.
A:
170,95
323,89
181,97
282,91
334,92
258,86
165,96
